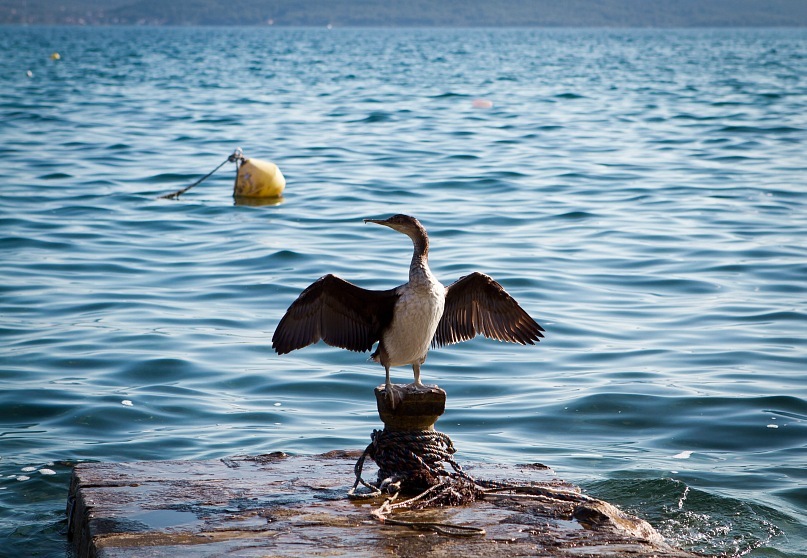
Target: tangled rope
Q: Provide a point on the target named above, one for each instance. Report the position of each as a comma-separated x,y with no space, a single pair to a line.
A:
408,461
413,462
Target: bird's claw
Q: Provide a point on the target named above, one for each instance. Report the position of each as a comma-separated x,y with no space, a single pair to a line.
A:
393,397
418,386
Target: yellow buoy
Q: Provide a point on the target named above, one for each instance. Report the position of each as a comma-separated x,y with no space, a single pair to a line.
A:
55,56
258,179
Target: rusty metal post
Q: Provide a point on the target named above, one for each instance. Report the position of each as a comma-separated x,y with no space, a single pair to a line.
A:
418,408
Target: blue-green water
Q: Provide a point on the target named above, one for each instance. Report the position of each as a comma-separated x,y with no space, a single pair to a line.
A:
642,194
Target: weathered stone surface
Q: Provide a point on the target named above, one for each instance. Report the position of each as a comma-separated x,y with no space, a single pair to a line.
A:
278,506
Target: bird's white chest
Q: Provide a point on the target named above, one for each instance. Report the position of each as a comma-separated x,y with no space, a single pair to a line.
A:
417,313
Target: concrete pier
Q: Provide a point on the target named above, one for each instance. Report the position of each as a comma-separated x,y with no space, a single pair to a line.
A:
277,505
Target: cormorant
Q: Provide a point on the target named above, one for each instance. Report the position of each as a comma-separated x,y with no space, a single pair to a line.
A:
406,320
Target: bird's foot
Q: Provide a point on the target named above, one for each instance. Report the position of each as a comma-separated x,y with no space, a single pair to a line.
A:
418,387
393,395
396,393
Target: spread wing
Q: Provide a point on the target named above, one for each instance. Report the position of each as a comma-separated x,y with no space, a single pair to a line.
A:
336,311
477,304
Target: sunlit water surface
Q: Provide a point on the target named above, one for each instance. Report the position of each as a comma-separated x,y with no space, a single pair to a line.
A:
642,194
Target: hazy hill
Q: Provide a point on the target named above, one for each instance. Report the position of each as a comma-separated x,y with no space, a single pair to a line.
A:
449,13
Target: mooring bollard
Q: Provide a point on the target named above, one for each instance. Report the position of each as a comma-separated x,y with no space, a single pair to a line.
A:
418,409
409,452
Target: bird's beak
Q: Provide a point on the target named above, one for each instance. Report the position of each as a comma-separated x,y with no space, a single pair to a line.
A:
377,221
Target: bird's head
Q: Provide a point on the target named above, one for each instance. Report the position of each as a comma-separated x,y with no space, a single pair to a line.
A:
405,224
401,223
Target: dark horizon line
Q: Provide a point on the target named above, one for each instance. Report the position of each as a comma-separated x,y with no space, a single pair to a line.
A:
332,26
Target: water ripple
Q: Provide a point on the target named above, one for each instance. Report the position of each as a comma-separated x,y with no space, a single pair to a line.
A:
640,194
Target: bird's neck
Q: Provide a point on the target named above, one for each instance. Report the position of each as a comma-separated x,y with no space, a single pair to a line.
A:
419,268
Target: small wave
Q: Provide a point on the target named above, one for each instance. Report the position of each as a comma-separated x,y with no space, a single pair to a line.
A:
760,130
55,176
576,215
449,95
462,157
569,96
161,369
376,117
171,177
30,244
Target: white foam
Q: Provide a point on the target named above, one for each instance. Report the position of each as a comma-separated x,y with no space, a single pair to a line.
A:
683,455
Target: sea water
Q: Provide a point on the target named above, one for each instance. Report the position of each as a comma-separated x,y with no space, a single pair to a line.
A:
641,193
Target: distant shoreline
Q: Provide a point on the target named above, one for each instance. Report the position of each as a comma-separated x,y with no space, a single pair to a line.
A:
402,27
408,14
